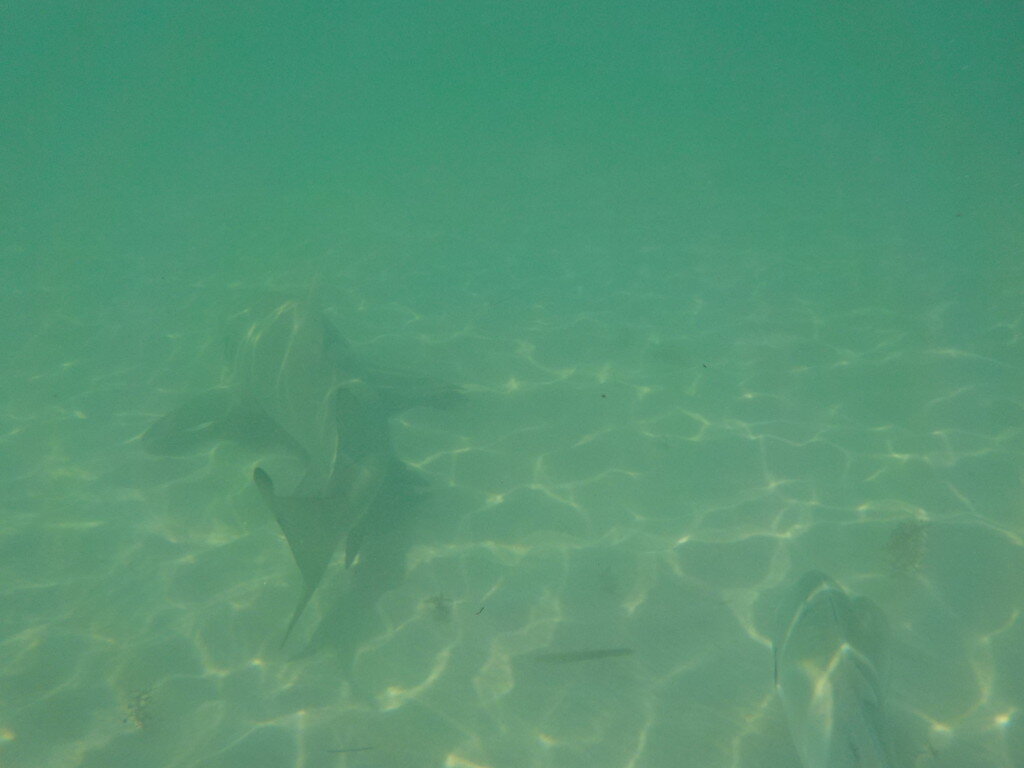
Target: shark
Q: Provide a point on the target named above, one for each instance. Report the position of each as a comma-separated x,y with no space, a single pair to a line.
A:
831,664
295,385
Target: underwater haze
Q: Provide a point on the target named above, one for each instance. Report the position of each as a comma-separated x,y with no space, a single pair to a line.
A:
723,293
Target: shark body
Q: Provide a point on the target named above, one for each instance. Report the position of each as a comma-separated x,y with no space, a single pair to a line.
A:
831,664
294,385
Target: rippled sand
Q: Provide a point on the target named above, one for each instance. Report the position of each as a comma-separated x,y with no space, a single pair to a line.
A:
644,465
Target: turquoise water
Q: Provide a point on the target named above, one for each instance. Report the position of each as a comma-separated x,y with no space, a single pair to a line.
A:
734,291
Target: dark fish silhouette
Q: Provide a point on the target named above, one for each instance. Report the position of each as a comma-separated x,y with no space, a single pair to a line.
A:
296,386
568,657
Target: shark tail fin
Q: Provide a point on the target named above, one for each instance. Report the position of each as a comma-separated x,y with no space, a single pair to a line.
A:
310,526
299,610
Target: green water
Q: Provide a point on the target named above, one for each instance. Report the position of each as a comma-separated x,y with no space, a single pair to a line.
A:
734,291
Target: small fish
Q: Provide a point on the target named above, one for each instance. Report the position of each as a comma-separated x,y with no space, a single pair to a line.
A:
441,607
568,657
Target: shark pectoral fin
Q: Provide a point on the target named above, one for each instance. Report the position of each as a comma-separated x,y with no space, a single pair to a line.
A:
401,391
210,417
191,426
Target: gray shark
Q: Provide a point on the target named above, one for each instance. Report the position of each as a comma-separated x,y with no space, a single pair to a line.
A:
296,386
831,664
